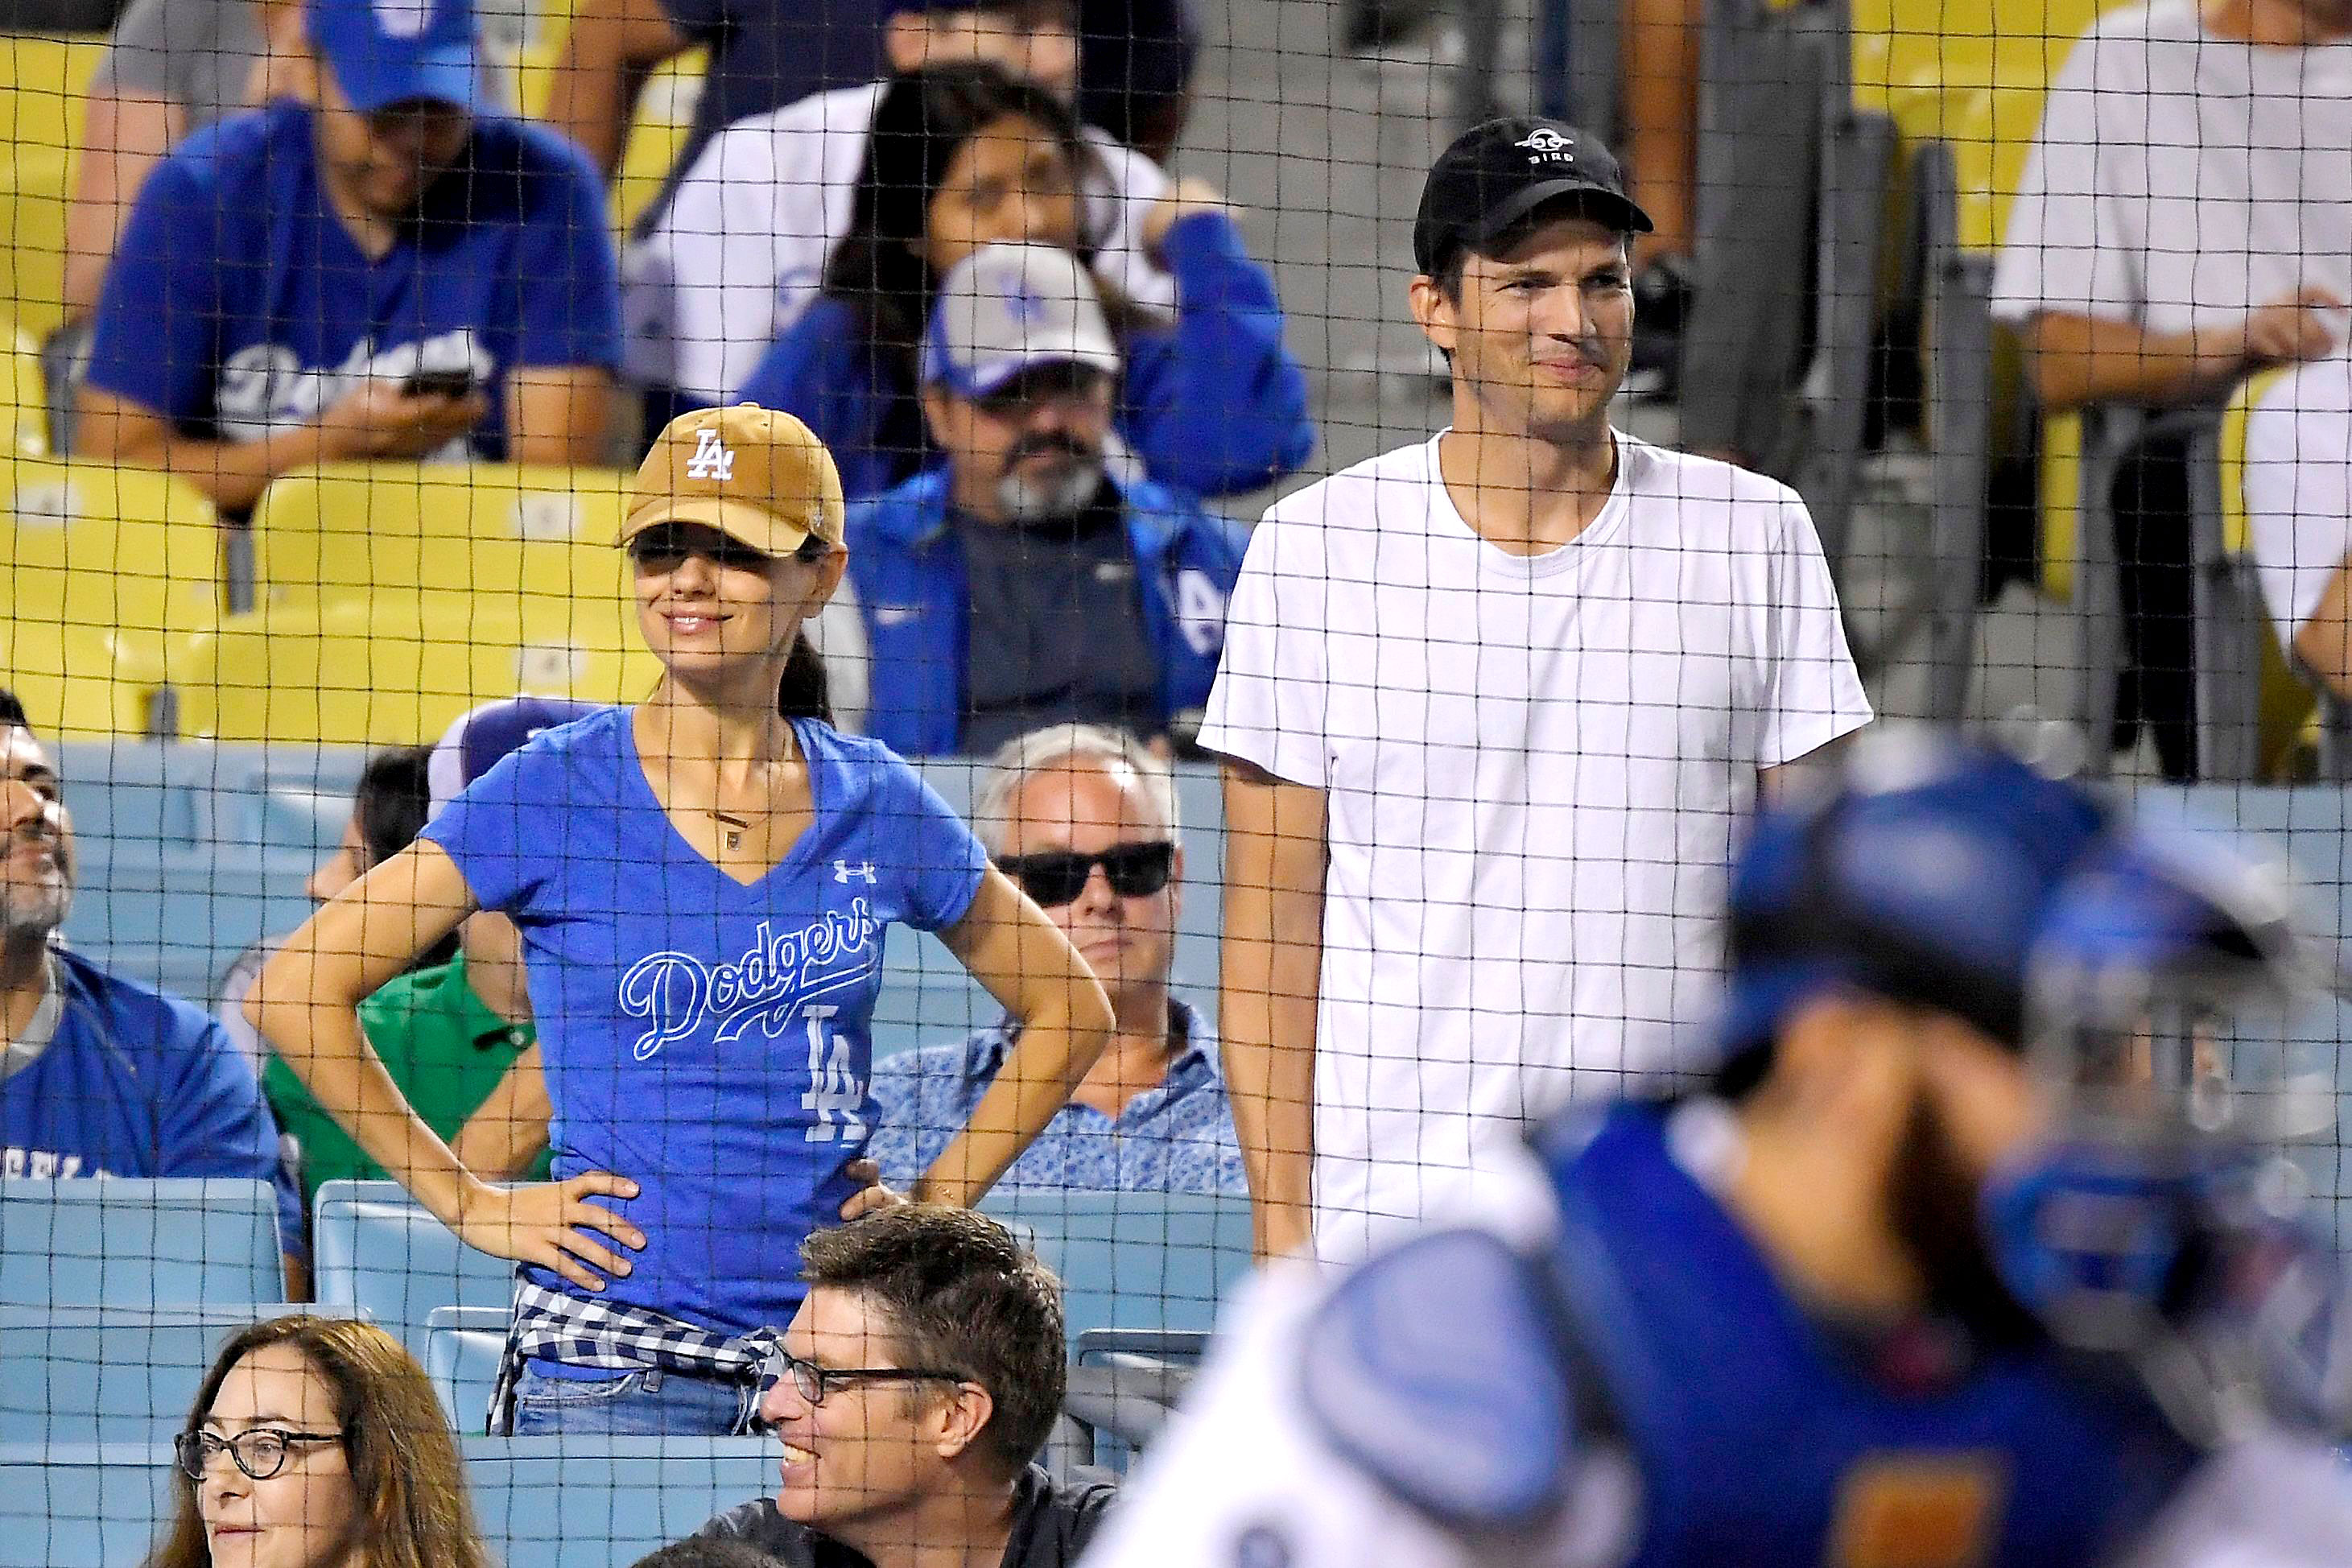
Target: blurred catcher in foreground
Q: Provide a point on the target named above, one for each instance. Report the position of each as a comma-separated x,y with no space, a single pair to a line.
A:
1984,1247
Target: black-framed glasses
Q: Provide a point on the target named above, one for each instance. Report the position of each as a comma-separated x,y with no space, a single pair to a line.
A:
260,1452
814,1381
1057,875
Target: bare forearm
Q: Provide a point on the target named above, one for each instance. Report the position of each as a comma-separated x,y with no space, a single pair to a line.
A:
1056,1052
233,473
320,1040
595,95
2079,359
508,1130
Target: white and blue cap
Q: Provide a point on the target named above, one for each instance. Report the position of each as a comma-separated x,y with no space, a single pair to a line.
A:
383,52
487,736
1005,308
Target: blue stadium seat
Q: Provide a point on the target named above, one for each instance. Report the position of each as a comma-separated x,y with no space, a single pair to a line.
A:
373,1248
124,1243
108,1375
462,1346
569,1502
1135,1260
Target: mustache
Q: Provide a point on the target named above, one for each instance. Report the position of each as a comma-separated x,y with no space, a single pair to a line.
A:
1052,442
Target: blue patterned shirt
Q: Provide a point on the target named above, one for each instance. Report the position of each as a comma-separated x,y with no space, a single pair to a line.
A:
1177,1138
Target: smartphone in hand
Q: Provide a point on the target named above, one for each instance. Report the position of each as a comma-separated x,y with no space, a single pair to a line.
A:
458,383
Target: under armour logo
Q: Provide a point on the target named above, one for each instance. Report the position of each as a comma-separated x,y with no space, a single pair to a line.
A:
710,461
843,871
1546,143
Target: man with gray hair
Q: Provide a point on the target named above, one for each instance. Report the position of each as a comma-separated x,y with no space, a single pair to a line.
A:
1023,581
1084,819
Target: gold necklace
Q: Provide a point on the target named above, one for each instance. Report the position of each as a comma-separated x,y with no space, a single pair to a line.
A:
734,826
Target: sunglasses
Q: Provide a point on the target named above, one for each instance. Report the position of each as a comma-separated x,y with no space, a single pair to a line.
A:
1057,877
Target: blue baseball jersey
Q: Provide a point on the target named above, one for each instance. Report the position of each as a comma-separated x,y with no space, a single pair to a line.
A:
706,1039
239,304
136,1083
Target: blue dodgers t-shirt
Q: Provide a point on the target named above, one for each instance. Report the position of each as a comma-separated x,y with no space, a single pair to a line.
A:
136,1083
709,1040
237,304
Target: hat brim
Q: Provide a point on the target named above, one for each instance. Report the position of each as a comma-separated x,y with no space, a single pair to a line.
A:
451,74
1001,373
1603,207
753,526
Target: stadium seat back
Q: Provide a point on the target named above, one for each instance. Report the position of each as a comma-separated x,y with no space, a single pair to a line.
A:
108,1375
1135,1260
373,1248
579,1502
23,395
121,1242
462,1348
42,81
390,669
102,564
528,534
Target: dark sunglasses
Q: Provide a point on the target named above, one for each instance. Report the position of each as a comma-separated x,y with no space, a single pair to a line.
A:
1057,877
663,547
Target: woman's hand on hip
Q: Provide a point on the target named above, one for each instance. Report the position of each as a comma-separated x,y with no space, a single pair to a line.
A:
552,1224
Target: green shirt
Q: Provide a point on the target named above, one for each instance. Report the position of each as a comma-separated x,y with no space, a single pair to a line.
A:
443,1047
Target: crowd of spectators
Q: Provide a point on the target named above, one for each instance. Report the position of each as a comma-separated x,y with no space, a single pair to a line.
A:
1490,706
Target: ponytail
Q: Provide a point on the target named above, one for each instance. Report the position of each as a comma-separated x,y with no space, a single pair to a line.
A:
805,693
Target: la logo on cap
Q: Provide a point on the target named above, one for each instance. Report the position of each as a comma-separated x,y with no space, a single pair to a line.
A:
1546,143
711,459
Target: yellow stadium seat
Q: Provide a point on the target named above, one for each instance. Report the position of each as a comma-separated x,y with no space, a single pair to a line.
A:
396,671
42,84
24,396
520,533
102,564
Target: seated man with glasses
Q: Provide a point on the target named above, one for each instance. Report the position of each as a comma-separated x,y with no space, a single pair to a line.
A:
912,1392
1084,819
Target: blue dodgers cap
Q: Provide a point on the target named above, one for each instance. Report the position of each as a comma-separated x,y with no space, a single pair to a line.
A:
1005,308
383,52
1924,874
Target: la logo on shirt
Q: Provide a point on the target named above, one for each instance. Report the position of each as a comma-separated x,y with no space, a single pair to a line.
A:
263,388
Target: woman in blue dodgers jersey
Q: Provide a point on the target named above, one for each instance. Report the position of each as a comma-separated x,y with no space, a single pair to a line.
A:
702,887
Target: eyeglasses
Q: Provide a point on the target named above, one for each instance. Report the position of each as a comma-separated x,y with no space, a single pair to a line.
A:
816,1382
664,546
259,1453
1133,871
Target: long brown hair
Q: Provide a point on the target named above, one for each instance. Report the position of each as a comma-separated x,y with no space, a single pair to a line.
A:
406,1470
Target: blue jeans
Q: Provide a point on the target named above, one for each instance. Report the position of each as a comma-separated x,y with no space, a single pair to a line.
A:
634,1405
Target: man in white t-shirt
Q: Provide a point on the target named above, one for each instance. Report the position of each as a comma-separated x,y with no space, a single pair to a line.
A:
2185,220
1494,706
741,247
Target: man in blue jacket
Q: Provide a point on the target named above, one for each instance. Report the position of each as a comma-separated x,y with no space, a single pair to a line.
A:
1022,583
101,1076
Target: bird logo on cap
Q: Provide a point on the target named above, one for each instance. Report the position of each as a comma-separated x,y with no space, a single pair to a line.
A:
1544,143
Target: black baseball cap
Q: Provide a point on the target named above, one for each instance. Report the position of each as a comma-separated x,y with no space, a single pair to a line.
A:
1497,173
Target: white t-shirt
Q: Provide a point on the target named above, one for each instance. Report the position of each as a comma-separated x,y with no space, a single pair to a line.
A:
1534,769
742,248
2179,178
2298,485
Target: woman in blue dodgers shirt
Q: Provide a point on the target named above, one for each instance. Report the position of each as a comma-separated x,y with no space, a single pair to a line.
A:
702,887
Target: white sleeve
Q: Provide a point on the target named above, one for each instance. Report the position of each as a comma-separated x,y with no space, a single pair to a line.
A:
1271,699
2068,246
2299,486
2270,1502
746,220
1117,216
1813,693
838,634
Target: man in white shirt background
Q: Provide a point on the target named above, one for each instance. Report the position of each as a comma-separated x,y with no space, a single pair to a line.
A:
741,248
2184,221
1493,707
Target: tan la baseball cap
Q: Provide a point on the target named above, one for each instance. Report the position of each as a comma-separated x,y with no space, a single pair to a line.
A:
755,474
